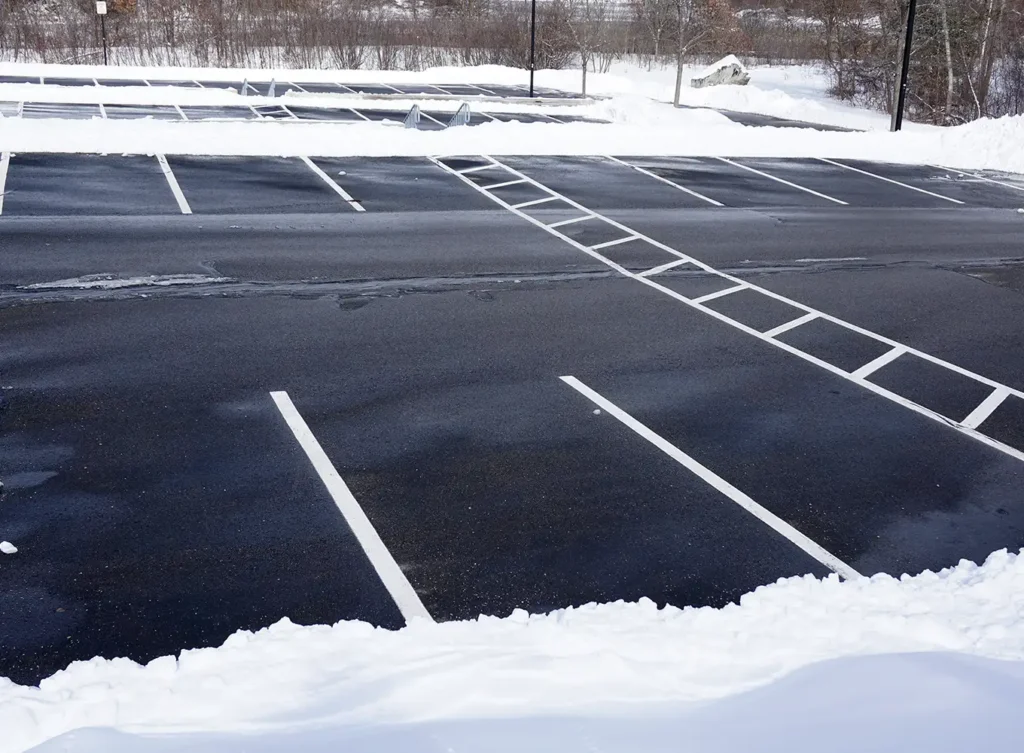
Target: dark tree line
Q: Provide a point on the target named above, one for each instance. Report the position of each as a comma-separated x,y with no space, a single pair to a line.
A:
968,55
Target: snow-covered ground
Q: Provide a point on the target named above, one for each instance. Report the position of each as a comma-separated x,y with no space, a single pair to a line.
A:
931,663
642,121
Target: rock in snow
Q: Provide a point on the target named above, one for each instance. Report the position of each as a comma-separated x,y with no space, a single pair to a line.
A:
7,547
728,70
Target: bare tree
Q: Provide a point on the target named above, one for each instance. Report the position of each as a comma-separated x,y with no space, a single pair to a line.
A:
690,27
656,17
586,21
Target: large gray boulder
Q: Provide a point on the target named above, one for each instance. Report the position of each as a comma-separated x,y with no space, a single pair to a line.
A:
728,70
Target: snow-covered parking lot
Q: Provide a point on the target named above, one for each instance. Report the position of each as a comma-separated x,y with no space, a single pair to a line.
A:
658,432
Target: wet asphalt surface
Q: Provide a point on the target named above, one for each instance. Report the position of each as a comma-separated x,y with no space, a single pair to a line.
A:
159,501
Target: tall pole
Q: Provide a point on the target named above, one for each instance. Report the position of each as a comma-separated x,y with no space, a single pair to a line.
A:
901,92
533,41
103,32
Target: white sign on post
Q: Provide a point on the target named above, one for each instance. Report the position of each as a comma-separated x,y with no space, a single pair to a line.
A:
101,7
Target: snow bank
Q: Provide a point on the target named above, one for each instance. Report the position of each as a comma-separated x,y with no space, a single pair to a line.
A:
598,677
113,282
640,127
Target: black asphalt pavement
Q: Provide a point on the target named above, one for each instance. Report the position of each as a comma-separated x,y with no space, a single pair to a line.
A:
160,502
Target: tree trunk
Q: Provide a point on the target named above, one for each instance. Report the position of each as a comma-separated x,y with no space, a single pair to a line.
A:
947,115
679,79
584,77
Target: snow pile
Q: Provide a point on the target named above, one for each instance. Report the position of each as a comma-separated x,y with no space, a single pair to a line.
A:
595,678
113,282
647,128
728,70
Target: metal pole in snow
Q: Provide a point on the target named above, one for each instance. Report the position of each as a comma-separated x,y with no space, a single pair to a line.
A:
901,93
533,40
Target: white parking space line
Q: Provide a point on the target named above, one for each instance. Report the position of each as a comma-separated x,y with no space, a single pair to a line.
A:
720,293
872,366
986,408
663,268
103,111
798,322
349,90
675,185
172,181
5,163
392,88
180,112
486,91
502,185
888,180
715,481
783,182
616,242
535,202
333,186
573,221
391,575
980,177
953,423
476,168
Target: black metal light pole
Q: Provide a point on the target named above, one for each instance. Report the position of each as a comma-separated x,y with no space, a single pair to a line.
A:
901,92
533,40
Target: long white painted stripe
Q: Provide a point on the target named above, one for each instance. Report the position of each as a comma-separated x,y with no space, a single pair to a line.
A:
573,221
977,416
792,350
718,483
872,366
525,204
616,242
675,185
390,573
181,112
888,180
172,181
475,169
5,163
782,181
980,177
798,322
103,111
515,182
720,293
333,186
663,268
